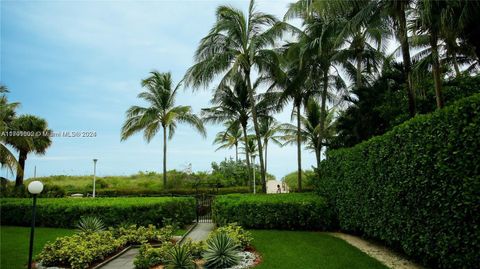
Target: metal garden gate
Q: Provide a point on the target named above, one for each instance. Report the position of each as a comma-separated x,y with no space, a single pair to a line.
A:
204,201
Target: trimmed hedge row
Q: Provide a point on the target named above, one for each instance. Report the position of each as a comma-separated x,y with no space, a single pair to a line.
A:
167,192
416,188
65,212
292,211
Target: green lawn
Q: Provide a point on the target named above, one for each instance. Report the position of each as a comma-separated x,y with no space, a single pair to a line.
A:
308,250
14,244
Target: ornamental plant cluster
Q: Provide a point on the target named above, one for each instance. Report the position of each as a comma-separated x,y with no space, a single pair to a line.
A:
294,211
415,188
84,249
63,212
221,250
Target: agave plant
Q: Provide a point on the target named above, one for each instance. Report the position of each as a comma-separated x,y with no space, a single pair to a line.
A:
90,224
180,258
221,252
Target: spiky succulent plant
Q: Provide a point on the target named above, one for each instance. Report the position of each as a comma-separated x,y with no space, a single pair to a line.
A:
90,224
221,252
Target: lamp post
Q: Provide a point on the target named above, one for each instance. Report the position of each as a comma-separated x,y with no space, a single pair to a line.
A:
94,175
35,187
253,166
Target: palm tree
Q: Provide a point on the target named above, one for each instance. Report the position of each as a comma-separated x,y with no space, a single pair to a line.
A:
231,103
291,81
320,48
7,114
429,20
310,130
161,113
269,130
230,137
37,143
236,45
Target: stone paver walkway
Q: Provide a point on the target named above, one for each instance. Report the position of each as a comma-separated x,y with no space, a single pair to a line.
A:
124,261
384,255
200,232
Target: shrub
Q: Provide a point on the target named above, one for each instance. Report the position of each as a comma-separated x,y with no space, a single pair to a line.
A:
64,212
137,235
241,237
90,224
179,257
196,248
277,211
416,188
81,250
149,256
221,252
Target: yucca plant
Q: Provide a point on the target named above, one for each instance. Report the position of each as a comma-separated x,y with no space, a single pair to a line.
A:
179,257
222,252
90,224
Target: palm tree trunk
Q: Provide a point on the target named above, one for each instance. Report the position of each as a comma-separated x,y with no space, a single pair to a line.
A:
403,38
359,71
299,149
265,143
436,70
236,152
164,157
247,156
323,113
257,131
455,65
21,168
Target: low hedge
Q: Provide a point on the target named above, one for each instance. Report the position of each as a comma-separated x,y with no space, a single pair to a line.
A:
292,211
65,212
167,192
416,188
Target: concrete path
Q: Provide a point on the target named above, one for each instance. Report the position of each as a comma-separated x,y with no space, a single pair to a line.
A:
386,256
200,232
124,261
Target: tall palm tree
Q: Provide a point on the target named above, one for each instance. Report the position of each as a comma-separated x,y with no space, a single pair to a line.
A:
237,44
320,48
231,103
7,114
429,20
229,138
292,82
38,143
310,130
161,113
270,130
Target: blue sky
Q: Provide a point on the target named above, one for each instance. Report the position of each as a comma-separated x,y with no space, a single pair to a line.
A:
78,64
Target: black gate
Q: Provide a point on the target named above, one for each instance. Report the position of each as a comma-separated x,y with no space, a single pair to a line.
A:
204,199
204,208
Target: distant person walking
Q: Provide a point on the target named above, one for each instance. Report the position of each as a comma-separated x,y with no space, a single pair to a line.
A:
278,189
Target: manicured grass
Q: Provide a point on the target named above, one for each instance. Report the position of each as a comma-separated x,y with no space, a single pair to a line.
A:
14,243
308,250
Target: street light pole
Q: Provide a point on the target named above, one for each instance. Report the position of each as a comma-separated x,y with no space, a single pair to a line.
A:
94,175
34,188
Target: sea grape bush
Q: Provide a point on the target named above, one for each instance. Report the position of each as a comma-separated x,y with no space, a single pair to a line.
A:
416,187
65,212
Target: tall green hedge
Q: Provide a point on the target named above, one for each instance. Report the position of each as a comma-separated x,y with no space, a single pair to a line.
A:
416,188
65,212
292,211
